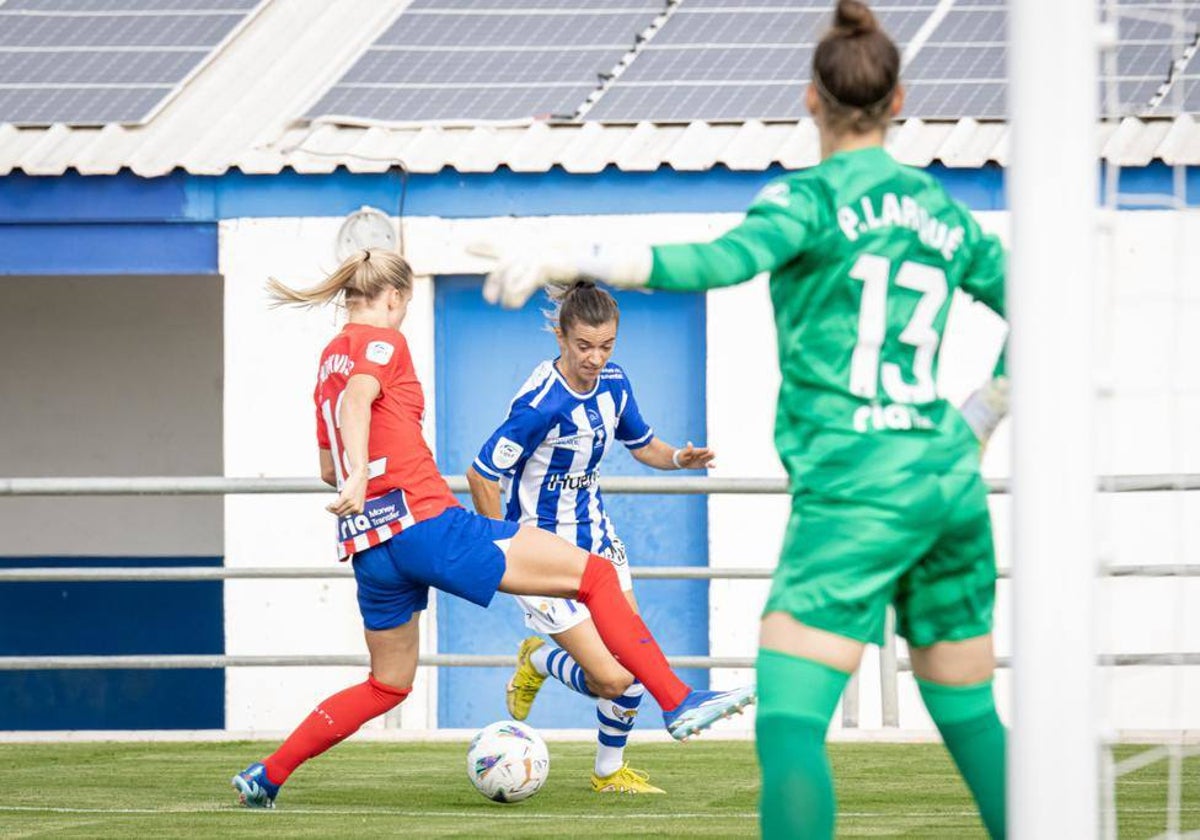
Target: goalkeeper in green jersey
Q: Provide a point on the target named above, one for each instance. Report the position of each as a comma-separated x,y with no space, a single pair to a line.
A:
888,505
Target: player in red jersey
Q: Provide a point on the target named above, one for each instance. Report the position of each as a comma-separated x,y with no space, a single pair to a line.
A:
406,532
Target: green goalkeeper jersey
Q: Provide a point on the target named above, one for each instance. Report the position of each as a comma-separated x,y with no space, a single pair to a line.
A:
864,256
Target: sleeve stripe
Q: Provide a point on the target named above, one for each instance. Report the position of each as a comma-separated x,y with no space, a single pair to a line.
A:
642,441
487,471
546,386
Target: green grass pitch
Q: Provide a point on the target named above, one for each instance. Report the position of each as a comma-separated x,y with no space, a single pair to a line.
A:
421,790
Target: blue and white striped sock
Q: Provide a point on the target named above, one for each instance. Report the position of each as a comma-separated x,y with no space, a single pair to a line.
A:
560,665
616,722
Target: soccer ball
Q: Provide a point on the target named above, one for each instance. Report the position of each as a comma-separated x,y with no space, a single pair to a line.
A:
508,761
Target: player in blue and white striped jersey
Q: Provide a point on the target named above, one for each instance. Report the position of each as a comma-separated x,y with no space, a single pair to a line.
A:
546,456
541,467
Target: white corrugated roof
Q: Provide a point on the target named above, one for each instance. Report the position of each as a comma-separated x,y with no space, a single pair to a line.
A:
240,112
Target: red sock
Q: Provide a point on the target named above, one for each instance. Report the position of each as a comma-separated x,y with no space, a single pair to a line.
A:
625,634
335,719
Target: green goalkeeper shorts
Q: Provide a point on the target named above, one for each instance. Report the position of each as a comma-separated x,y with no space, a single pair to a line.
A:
922,542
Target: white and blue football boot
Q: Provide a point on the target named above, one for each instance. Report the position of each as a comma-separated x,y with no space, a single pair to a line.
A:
701,709
254,789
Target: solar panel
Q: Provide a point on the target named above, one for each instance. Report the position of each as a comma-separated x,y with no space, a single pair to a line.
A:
91,62
954,100
515,29
449,104
131,5
967,50
445,60
937,62
730,103
768,25
472,67
721,64
1183,95
1189,96
750,27
74,105
961,68
82,65
1148,47
701,59
1187,10
824,6
535,5
958,70
703,62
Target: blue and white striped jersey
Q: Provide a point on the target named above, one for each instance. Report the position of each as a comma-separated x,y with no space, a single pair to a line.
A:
546,454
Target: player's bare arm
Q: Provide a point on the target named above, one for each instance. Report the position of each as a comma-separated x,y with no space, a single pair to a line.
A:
328,469
355,418
663,456
485,494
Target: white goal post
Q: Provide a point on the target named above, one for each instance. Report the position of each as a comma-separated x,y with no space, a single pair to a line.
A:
1053,181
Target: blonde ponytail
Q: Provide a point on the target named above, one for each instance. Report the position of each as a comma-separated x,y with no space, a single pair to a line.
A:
362,277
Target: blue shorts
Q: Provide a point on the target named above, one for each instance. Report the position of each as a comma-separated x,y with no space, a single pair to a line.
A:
455,552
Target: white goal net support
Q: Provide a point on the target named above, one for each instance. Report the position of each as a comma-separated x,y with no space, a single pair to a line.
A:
1147,364
1105,355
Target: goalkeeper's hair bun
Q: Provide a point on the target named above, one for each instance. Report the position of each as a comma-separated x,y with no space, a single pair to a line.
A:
852,18
856,70
582,302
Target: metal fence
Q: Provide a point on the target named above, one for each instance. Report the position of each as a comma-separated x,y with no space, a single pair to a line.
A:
890,663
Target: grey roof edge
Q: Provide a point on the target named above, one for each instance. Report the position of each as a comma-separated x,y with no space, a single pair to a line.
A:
533,147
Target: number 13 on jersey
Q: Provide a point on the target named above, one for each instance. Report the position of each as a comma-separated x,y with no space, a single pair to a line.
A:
867,370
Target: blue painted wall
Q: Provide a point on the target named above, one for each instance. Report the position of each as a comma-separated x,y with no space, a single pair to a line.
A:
124,224
483,356
110,619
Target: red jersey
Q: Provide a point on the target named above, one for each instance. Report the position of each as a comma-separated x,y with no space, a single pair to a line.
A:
404,484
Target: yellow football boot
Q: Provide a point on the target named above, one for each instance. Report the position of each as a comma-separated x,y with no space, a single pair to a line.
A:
526,682
625,780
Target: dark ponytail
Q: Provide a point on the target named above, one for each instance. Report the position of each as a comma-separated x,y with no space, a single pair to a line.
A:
582,302
856,70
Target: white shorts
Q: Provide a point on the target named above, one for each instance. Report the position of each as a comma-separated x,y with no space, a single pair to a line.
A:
556,615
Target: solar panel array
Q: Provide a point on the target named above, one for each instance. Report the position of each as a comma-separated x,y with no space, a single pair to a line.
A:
1152,37
489,60
91,62
714,60
961,70
1184,95
961,65
88,62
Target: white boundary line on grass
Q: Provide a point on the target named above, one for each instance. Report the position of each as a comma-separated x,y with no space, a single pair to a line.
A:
417,736
488,813
485,812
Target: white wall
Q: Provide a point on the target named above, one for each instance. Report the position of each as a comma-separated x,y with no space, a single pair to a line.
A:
110,376
271,360
270,355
